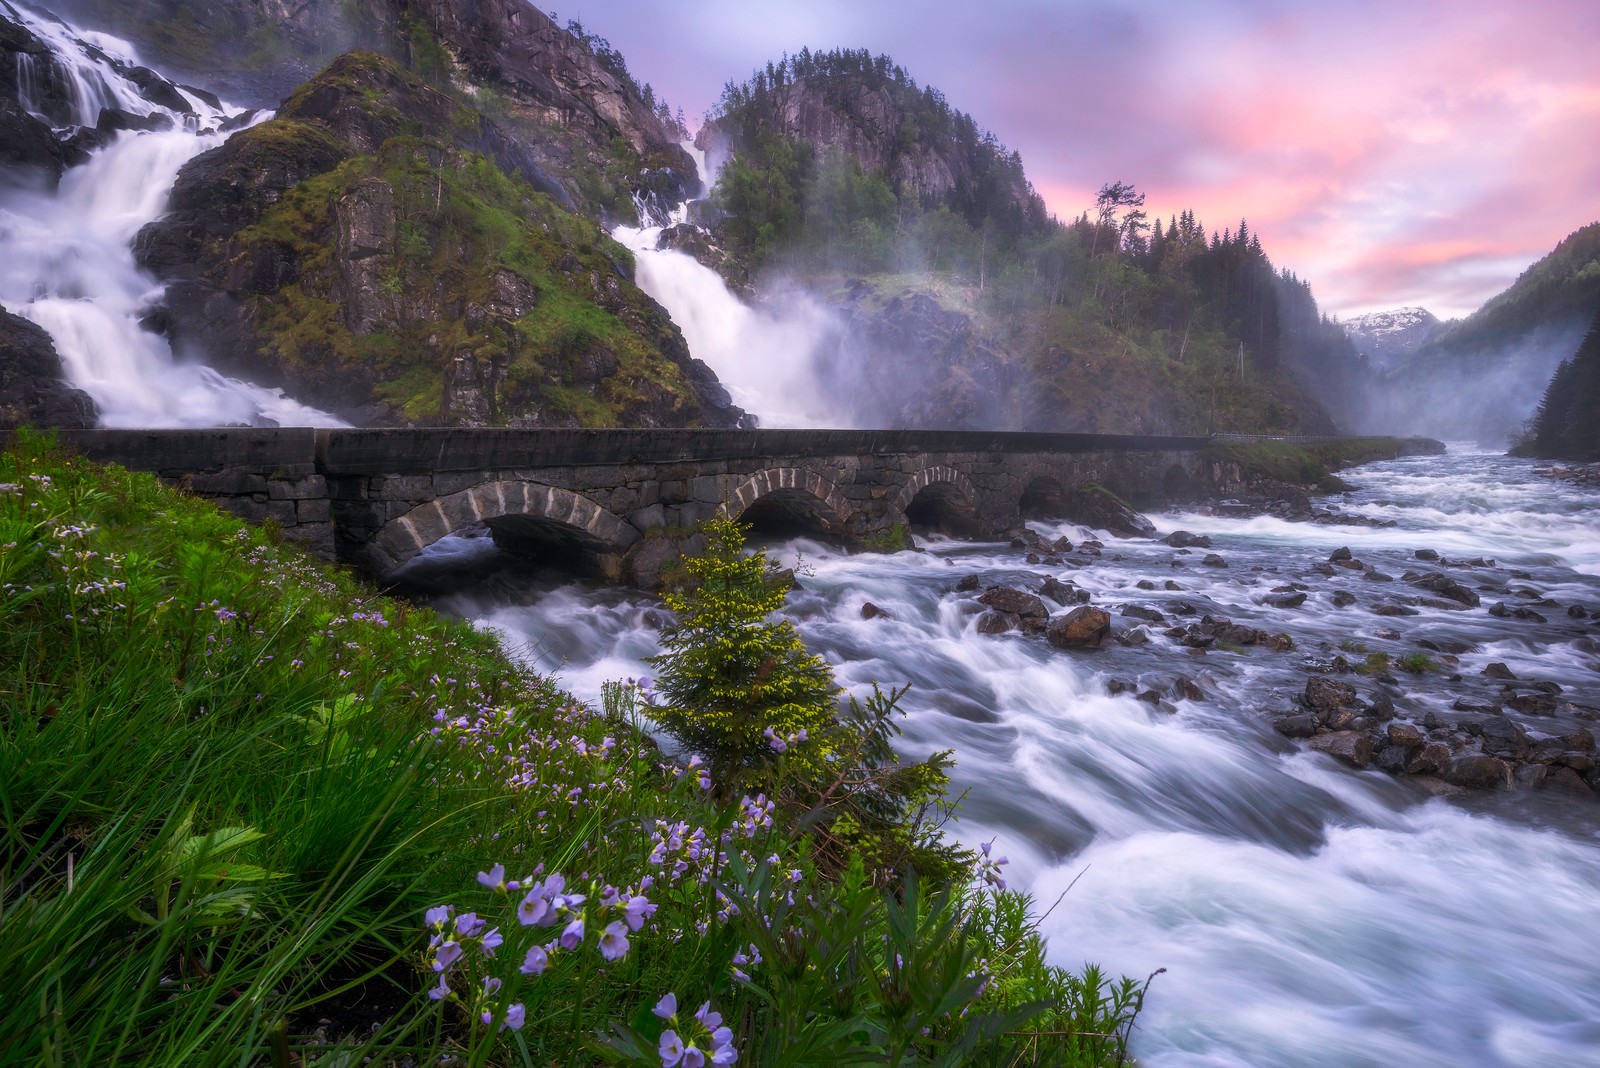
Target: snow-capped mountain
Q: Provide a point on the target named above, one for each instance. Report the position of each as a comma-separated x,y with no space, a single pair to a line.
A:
1388,336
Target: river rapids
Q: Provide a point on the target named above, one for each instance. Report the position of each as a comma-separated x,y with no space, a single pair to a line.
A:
1307,913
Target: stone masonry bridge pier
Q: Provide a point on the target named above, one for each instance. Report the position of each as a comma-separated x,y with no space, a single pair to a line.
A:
621,503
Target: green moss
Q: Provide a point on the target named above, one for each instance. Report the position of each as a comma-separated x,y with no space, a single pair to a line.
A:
1375,664
893,540
1418,663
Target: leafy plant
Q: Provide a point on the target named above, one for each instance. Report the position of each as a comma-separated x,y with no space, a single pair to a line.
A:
1417,663
198,879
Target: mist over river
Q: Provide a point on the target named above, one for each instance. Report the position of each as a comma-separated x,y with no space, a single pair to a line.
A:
1306,913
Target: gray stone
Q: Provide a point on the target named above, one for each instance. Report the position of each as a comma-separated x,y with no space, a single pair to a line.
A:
230,482
1352,747
311,511
648,517
1432,758
997,622
1014,602
300,489
1298,726
1323,694
1404,735
1479,772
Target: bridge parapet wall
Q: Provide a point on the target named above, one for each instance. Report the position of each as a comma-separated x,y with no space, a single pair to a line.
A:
376,497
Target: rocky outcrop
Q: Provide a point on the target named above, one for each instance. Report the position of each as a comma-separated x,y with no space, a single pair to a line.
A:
387,251
32,387
26,144
921,364
1095,506
514,46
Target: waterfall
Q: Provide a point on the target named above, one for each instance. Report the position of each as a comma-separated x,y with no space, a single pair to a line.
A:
68,262
774,357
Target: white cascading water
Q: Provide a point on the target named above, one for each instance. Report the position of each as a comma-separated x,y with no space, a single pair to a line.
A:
69,266
771,357
1307,914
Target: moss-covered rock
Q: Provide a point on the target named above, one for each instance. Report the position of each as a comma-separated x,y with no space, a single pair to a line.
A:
382,250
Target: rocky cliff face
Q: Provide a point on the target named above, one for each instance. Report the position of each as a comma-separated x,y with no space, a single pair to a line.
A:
921,364
386,252
585,123
31,388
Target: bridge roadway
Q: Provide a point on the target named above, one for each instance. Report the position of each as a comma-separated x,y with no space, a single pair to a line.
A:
620,504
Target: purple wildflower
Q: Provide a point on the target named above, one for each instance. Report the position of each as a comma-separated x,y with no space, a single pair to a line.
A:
636,910
711,1020
614,941
447,954
671,1049
667,1007
534,908
494,878
572,935
535,962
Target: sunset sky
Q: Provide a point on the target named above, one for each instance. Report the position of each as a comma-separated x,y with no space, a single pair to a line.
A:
1393,153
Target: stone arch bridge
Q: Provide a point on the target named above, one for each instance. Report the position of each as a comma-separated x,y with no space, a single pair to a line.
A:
620,503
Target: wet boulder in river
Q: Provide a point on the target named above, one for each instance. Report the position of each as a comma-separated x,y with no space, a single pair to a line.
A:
1323,694
1085,627
1014,602
1296,726
1444,586
1479,771
1352,747
996,623
1063,593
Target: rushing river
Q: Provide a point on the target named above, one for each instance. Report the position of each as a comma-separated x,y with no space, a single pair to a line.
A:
1306,913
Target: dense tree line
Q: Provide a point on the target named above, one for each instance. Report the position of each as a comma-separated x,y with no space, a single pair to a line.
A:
1566,425
1561,286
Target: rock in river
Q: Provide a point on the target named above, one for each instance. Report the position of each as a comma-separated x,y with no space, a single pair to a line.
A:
1084,627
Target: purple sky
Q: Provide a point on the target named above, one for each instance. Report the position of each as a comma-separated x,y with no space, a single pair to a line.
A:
1393,153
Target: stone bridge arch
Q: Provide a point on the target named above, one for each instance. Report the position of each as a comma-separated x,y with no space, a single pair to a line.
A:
1044,492
940,497
517,512
792,497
